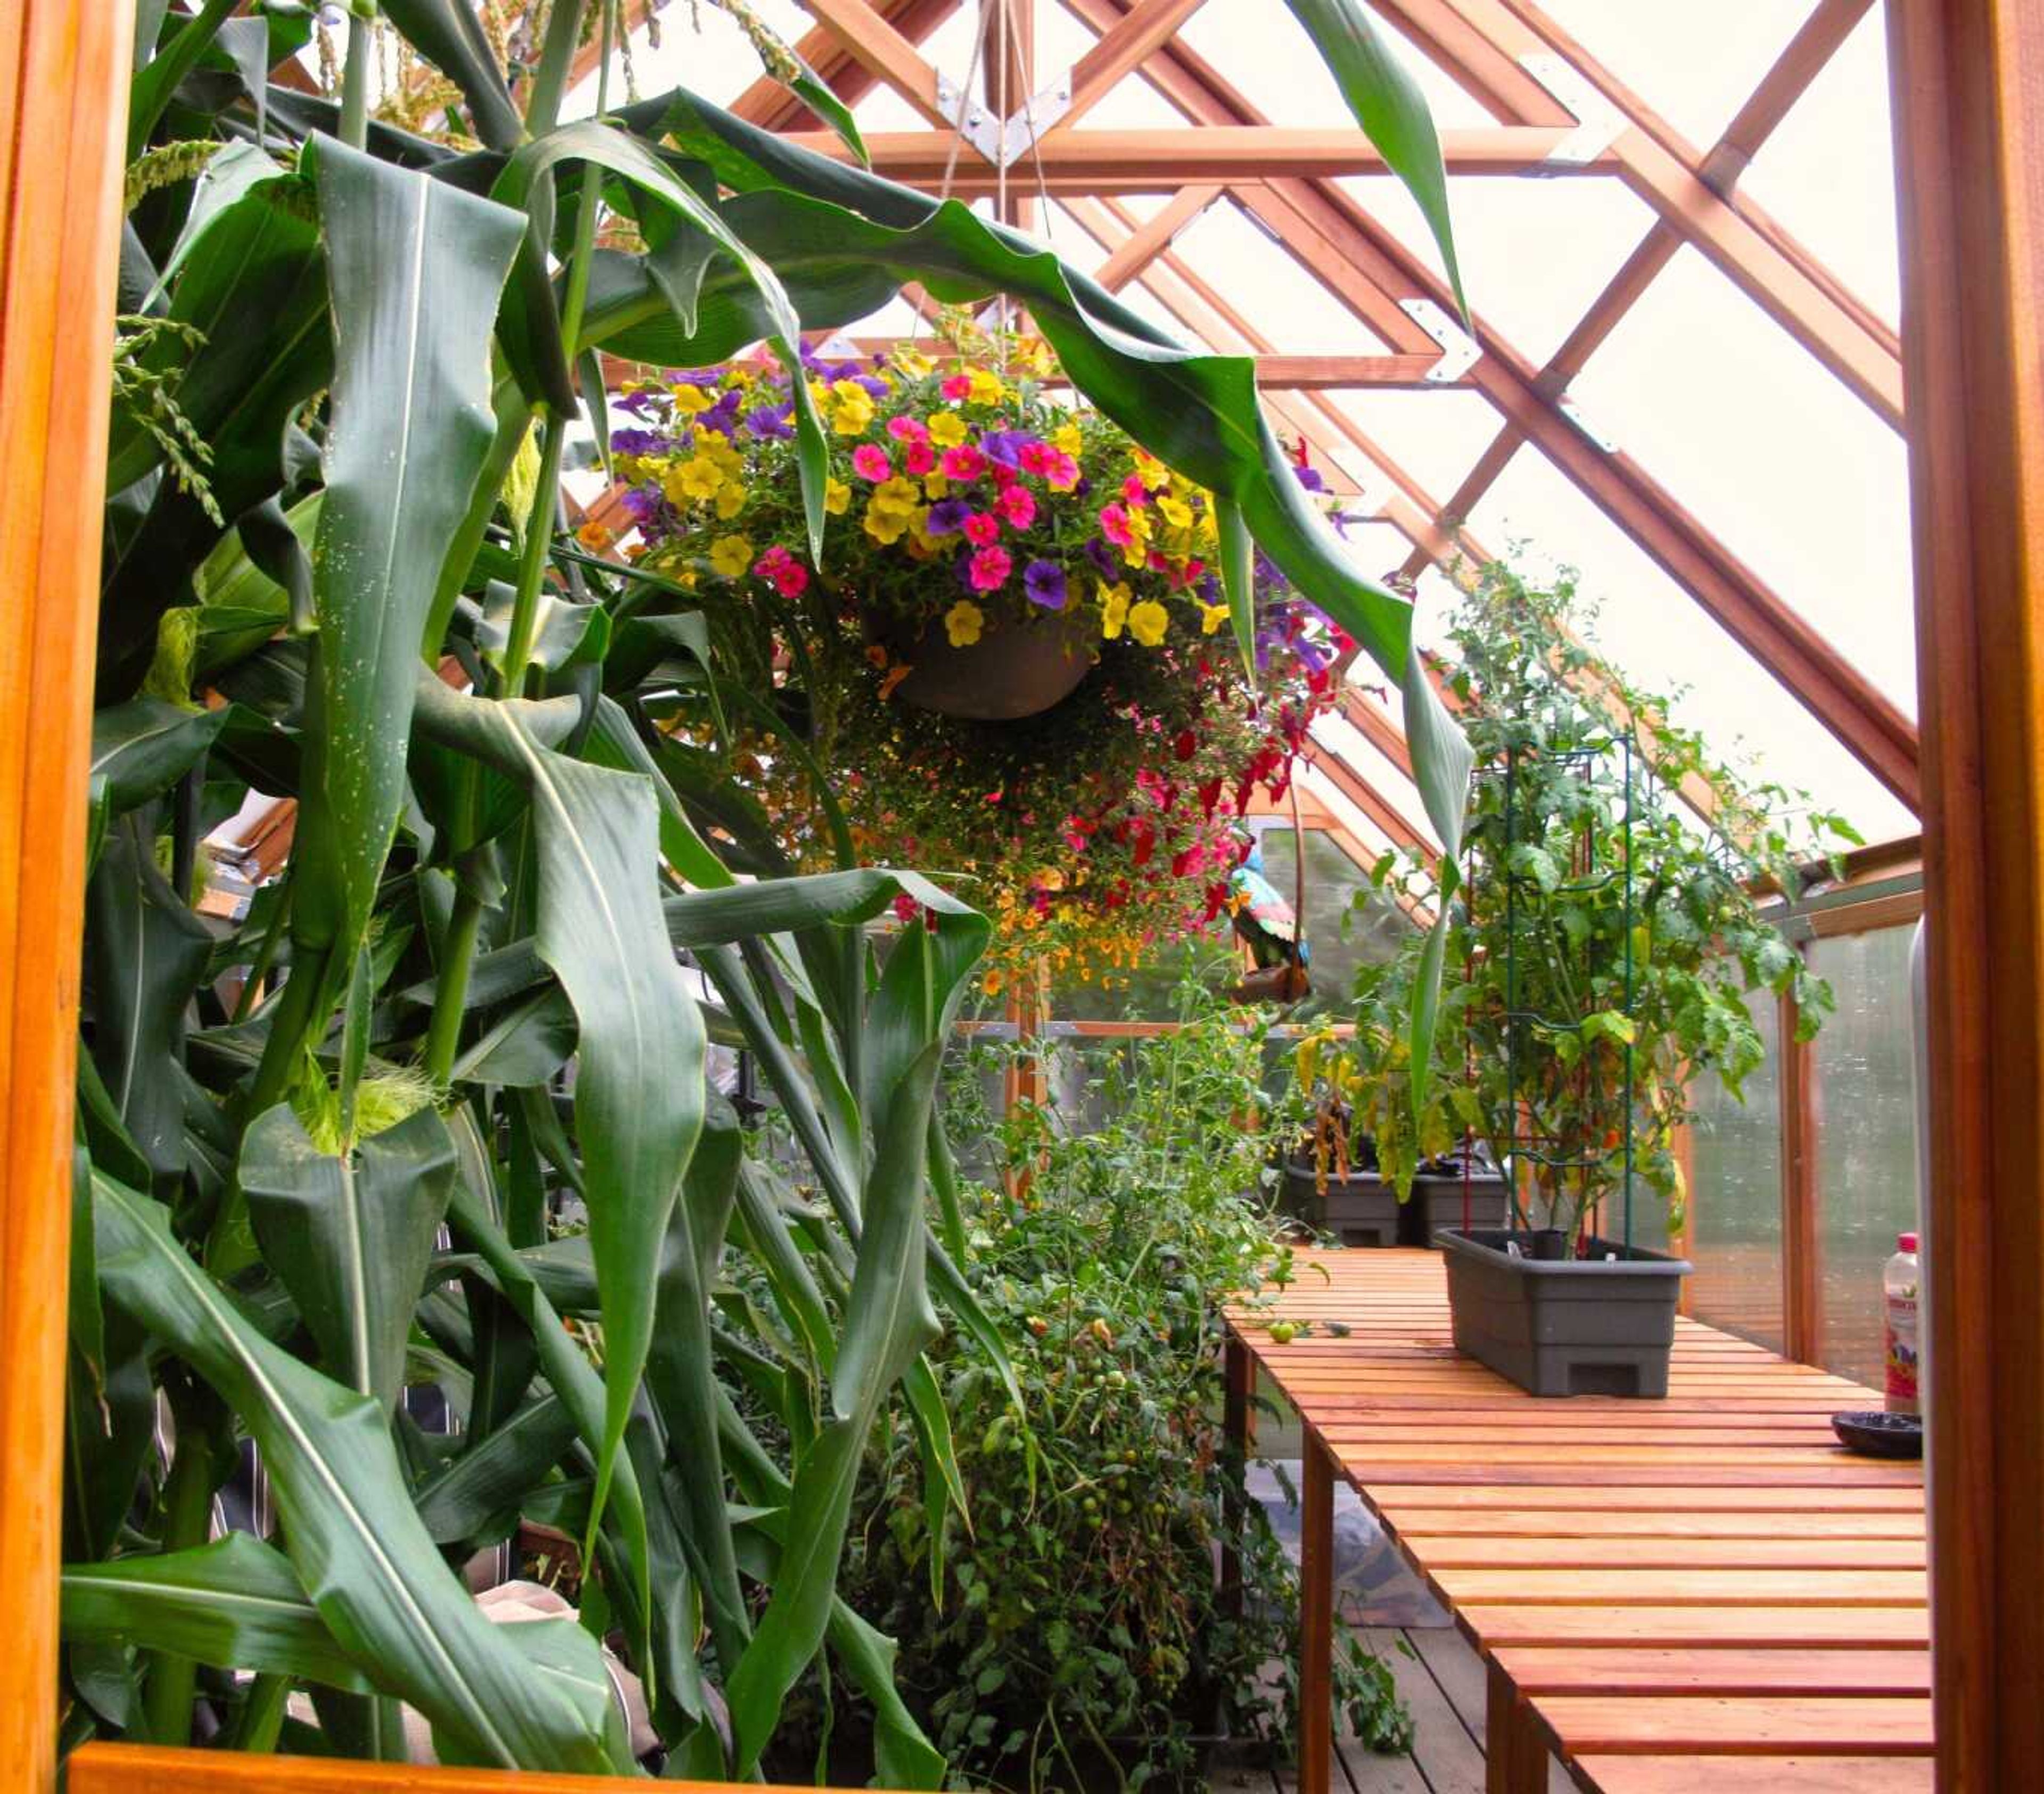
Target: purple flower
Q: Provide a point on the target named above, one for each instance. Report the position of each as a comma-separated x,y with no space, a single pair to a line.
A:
723,415
946,517
1006,446
878,388
1309,477
641,502
638,403
694,376
1044,582
1096,553
774,421
637,442
961,568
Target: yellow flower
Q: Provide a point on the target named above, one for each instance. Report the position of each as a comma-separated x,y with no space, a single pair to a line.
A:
896,495
690,398
986,388
936,486
947,429
962,622
1212,616
731,555
730,500
1113,606
699,477
837,497
884,526
1209,526
1175,511
913,363
1147,622
1153,472
1066,438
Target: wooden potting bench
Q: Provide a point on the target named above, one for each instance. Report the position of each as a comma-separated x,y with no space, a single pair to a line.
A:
1706,1592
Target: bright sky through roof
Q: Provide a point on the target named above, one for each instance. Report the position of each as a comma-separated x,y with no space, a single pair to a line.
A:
1791,471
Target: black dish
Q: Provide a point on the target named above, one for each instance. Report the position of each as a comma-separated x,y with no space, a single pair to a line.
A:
1881,1435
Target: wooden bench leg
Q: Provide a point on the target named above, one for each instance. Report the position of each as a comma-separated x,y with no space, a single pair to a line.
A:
1239,1370
1316,1620
1515,1752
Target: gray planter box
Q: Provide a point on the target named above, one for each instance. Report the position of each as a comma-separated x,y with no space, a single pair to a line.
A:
1360,1209
1564,1326
1436,1202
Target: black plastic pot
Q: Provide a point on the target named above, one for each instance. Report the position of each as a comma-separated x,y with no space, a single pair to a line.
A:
1437,1202
1360,1209
1014,671
1561,1325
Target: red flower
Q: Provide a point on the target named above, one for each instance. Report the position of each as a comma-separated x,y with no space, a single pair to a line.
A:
1186,745
957,386
904,906
918,458
964,463
981,527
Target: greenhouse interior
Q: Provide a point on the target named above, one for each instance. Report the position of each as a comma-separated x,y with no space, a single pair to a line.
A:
1022,895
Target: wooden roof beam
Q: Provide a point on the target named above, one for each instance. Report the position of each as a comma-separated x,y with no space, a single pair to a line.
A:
1151,239
768,105
1163,161
1120,49
869,39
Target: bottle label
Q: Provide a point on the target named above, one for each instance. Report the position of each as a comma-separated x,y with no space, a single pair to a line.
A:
1902,1352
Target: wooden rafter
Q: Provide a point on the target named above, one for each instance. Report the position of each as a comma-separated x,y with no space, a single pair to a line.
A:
766,103
1152,161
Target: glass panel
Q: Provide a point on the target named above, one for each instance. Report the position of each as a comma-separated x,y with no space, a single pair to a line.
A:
1735,1206
1865,1106
1340,936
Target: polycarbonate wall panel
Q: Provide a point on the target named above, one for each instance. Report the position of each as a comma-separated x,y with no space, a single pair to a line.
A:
1735,1203
1865,1102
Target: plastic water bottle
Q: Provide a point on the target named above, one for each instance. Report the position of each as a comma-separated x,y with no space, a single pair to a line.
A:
1899,1281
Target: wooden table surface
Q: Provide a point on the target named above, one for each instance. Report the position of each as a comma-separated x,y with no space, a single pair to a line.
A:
1706,1592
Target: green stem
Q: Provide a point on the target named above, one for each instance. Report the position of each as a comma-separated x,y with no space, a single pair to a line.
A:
262,1718
354,81
450,986
167,1702
266,955
532,565
549,81
288,1029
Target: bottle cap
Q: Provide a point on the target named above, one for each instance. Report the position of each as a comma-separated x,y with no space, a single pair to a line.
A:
1905,1242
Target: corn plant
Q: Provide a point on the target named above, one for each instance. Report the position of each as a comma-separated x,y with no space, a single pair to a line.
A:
321,1141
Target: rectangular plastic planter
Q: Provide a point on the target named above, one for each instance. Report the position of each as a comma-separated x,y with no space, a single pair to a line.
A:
1360,1209
1436,1202
1564,1326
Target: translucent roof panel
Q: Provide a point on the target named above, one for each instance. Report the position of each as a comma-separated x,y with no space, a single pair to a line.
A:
1788,469
1652,629
1260,279
1828,173
1694,65
1534,254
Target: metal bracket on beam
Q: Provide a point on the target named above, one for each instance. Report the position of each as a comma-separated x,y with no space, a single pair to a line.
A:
1004,142
1460,351
1598,124
1587,426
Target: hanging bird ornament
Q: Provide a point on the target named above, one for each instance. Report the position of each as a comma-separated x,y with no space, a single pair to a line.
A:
1267,927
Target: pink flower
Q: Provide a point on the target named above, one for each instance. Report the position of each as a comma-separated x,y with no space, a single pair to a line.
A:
957,386
918,458
1114,525
1016,506
1061,470
907,429
981,527
781,570
963,463
869,461
1036,457
1134,490
991,568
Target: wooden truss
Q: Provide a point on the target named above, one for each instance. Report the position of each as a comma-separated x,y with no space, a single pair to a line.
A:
1528,74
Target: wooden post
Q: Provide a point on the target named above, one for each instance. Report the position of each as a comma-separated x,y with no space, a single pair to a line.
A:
1316,1619
63,69
1802,1328
1239,1386
1515,1753
1967,78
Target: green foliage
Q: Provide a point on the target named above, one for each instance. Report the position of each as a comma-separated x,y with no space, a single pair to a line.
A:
1657,980
1076,1622
325,1147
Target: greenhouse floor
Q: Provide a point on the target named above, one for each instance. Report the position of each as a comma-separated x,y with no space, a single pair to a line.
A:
1377,1594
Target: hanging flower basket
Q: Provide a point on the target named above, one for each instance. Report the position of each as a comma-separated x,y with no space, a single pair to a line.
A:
1008,673
1015,662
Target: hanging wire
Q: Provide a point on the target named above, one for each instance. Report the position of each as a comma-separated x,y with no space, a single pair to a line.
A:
973,67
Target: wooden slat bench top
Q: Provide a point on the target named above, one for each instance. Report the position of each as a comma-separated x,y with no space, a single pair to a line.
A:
1702,1595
